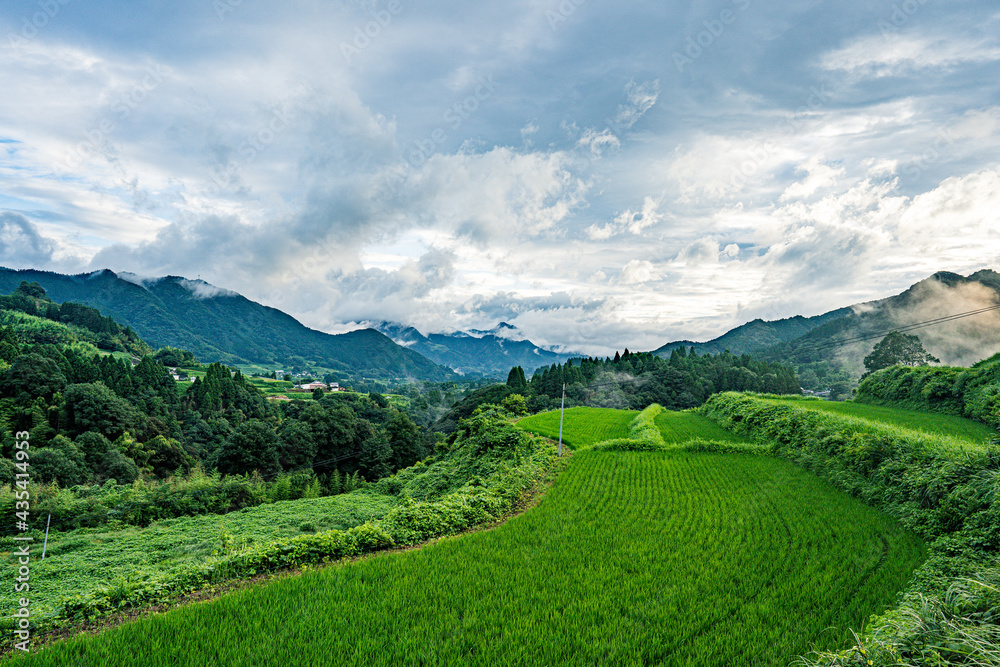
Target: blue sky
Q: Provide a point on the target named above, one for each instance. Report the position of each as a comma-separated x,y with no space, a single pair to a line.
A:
599,174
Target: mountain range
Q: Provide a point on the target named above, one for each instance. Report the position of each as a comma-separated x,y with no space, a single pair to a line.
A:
957,318
219,325
489,353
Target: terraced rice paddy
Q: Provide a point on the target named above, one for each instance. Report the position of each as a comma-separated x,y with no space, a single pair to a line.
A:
582,427
670,558
950,426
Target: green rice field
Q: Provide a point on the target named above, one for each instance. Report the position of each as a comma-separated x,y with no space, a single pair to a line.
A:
585,427
932,423
582,427
679,427
669,558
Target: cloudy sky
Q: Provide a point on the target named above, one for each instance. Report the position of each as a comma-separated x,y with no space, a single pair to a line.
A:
600,174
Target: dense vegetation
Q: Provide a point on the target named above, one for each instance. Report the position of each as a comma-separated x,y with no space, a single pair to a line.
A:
114,438
25,311
971,392
647,558
945,490
217,325
477,477
632,382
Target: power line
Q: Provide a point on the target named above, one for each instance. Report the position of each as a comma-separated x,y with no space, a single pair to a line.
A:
820,346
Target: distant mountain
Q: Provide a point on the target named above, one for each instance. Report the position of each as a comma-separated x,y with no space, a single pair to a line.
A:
219,325
758,334
489,353
842,338
929,306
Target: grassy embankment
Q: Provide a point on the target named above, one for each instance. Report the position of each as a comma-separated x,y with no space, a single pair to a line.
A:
944,487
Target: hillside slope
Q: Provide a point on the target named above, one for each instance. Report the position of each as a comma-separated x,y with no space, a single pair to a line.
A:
758,334
805,342
957,342
219,325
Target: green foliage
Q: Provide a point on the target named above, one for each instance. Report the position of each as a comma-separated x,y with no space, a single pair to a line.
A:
516,379
253,447
973,392
171,356
38,319
631,558
516,405
898,349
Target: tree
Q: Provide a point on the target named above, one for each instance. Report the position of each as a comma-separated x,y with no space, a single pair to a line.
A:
60,461
254,446
33,373
516,379
898,349
404,440
94,407
296,445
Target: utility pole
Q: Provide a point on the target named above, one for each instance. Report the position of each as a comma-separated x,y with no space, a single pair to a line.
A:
562,409
46,543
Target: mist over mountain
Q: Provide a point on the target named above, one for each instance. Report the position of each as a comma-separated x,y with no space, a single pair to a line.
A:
757,335
220,325
491,353
842,338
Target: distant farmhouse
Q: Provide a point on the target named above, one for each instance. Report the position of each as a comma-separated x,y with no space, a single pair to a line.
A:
312,386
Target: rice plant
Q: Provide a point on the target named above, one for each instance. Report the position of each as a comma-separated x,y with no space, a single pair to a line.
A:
668,558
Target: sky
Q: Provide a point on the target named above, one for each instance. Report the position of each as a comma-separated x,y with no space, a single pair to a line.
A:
601,175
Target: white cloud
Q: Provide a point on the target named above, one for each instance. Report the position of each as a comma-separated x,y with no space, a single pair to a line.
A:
818,176
641,98
637,272
634,222
878,56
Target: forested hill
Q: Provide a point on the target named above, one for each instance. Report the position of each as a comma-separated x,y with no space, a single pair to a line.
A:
219,325
758,334
839,346
635,381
